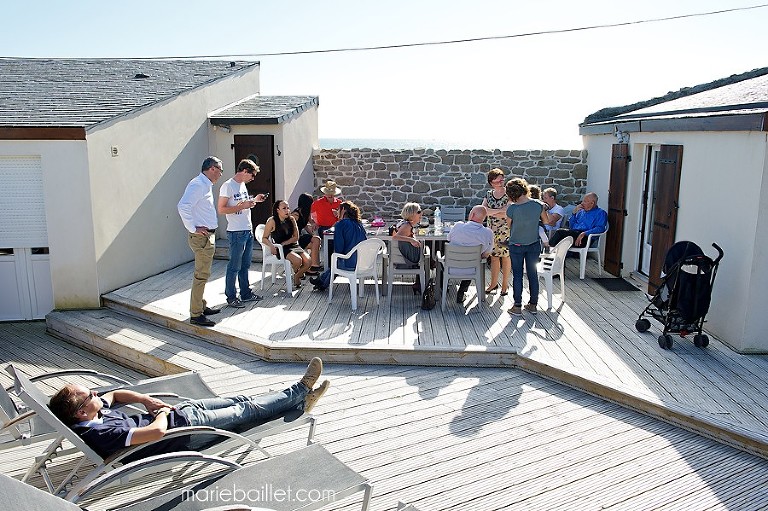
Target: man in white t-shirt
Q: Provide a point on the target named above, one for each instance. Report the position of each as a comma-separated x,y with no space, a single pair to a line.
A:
235,202
556,211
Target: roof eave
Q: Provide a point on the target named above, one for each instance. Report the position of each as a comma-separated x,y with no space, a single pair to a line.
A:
42,133
739,122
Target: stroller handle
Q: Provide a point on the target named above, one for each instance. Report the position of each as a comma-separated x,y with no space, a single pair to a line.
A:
719,252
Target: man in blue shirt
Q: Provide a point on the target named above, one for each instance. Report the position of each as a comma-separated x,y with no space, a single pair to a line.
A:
469,234
108,431
587,219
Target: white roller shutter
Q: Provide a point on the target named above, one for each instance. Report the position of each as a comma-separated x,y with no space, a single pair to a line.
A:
22,204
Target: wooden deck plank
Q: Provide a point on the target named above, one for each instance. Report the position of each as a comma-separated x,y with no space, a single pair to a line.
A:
472,438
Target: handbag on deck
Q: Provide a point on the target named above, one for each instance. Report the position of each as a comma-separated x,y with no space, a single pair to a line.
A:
428,298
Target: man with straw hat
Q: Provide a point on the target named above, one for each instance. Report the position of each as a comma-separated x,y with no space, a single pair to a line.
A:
325,210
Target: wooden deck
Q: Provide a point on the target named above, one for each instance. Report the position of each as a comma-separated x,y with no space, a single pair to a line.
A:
456,438
589,342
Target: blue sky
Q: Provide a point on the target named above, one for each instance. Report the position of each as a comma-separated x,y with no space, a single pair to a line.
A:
519,93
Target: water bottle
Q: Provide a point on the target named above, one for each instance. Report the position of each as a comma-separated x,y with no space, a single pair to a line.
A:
438,219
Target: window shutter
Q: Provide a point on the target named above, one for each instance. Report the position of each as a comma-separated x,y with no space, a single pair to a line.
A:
22,203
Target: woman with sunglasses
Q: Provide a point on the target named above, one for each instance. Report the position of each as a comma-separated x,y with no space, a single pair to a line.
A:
405,235
281,228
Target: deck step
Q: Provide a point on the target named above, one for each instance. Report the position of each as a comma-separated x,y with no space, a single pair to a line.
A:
135,343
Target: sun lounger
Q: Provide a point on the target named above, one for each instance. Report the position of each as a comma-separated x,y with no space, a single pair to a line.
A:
306,479
225,440
23,428
309,478
20,427
18,495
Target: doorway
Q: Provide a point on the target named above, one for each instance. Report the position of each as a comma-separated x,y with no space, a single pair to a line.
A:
647,201
260,149
659,208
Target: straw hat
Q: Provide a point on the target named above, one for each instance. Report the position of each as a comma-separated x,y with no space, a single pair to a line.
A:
330,188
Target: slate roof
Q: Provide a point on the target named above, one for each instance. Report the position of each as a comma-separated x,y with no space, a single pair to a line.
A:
263,110
746,93
85,92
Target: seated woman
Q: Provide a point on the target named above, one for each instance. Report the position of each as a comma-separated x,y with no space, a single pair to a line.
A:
281,229
407,243
347,233
307,229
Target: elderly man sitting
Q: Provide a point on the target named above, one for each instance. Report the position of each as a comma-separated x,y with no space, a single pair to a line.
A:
469,234
587,219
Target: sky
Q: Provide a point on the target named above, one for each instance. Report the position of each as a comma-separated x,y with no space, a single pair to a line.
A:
515,93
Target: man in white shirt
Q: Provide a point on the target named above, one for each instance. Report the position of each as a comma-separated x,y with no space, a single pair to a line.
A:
199,217
555,211
235,202
469,234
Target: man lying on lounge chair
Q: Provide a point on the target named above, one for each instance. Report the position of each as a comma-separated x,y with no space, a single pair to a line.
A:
107,431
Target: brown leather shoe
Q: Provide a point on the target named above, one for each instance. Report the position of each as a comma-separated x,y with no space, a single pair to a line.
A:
314,395
312,374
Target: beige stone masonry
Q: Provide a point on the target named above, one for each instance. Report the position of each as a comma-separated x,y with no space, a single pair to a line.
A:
380,181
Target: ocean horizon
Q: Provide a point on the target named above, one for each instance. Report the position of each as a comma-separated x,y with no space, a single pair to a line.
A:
401,143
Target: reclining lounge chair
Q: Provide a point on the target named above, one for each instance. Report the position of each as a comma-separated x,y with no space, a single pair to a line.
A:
313,476
34,399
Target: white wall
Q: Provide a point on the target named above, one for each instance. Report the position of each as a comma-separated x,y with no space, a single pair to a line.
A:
300,138
723,200
138,232
69,214
293,168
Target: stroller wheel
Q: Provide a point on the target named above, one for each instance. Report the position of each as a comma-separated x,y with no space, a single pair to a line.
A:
642,325
701,340
665,341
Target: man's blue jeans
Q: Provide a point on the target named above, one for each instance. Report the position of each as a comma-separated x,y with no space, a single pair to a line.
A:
240,253
239,413
528,255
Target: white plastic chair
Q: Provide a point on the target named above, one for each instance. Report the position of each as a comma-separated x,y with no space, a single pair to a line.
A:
453,213
567,214
464,263
405,267
592,246
275,262
553,264
368,252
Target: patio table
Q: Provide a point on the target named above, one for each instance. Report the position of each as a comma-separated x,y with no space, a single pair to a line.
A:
428,234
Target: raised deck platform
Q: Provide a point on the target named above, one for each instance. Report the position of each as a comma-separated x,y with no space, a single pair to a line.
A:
589,343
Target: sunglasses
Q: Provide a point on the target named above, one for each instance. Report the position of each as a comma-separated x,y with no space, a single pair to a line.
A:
91,395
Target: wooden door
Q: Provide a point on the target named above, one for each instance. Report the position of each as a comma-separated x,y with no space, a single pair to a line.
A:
617,191
667,188
260,149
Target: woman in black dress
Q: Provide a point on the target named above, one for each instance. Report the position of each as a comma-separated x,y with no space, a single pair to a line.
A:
307,229
281,229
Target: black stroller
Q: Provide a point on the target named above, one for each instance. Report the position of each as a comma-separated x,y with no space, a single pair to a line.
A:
682,299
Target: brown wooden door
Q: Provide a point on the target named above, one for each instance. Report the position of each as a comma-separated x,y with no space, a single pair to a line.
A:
667,189
260,149
617,191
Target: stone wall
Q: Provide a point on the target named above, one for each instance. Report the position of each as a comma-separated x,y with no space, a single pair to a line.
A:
380,181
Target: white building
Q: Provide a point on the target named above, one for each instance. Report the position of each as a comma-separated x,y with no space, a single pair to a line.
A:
94,155
692,166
